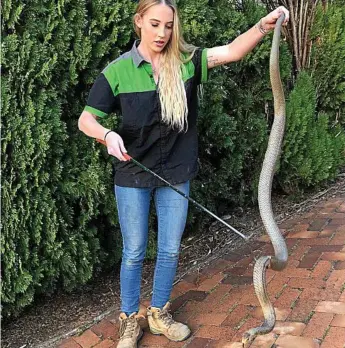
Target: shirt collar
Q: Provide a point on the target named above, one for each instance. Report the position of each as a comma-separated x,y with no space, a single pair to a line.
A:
137,57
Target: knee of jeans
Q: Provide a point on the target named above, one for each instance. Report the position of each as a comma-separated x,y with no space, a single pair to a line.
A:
133,258
168,255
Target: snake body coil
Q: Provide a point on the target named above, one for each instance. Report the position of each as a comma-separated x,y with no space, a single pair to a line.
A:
279,260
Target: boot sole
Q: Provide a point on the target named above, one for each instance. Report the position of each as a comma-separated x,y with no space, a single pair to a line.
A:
140,337
158,333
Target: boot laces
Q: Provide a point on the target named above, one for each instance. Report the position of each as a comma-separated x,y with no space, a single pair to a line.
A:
166,317
127,328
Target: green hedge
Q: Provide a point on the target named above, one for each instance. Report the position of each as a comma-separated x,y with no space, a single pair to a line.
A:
60,225
312,151
327,61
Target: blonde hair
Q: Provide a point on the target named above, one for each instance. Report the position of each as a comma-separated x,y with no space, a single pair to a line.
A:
176,53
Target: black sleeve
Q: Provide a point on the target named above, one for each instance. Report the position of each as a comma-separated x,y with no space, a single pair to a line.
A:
101,100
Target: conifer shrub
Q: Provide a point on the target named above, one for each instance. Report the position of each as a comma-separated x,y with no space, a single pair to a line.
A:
313,151
327,61
56,211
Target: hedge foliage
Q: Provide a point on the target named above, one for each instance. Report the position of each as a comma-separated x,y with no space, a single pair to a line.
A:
60,226
327,63
312,151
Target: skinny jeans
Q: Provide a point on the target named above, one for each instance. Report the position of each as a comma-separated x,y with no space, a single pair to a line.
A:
133,205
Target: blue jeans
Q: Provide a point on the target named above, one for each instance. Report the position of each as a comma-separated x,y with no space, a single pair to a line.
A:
133,205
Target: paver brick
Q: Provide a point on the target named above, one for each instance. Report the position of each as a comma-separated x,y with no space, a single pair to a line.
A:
339,265
315,242
68,343
249,298
237,280
237,315
337,222
337,239
209,284
210,318
87,339
298,252
105,344
149,340
322,270
288,328
341,208
318,325
105,329
281,313
275,286
336,279
309,260
338,320
199,342
318,224
195,307
295,272
246,261
303,234
330,307
223,344
210,271
287,298
216,332
183,286
335,338
342,297
237,271
306,283
194,278
264,341
323,248
302,310
327,231
190,295
289,341
218,293
222,264
333,256
233,297
250,323
328,293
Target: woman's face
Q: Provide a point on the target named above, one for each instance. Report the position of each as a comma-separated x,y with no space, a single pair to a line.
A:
156,26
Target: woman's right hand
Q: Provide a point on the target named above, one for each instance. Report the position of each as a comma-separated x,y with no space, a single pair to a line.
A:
115,146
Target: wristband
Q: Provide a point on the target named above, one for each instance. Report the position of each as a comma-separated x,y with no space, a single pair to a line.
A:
107,134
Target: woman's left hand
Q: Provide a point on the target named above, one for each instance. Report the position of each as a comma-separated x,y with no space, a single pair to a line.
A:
269,22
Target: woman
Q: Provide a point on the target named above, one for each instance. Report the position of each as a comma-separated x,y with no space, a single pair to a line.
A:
154,86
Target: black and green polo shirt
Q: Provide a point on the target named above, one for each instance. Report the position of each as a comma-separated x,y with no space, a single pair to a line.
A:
127,86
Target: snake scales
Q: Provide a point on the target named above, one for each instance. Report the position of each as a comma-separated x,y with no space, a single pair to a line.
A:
279,260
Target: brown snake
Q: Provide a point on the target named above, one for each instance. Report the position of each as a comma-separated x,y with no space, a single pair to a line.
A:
279,260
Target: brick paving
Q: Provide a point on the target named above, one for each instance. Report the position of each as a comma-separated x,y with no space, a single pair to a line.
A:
219,303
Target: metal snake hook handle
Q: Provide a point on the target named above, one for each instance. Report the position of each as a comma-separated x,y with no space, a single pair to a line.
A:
246,238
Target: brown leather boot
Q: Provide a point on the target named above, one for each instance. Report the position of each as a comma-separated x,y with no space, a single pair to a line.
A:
130,330
162,323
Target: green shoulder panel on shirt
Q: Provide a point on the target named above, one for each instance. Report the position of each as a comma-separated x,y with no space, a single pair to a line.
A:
124,77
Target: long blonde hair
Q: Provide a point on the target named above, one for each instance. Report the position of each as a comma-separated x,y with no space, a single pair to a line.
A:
175,54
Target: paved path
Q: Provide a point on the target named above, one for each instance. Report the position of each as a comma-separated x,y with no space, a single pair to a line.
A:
219,303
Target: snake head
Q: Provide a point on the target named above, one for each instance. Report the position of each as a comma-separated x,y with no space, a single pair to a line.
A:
247,339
